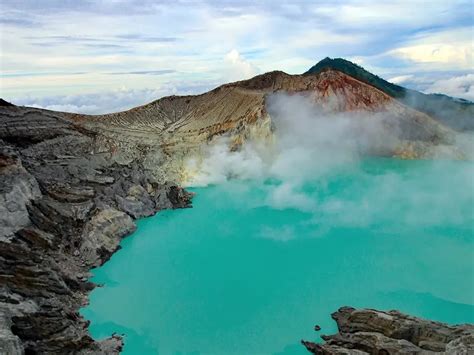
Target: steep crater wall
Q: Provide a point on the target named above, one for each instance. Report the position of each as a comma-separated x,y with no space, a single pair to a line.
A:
67,200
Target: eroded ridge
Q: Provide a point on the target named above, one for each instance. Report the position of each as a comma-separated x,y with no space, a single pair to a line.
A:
66,201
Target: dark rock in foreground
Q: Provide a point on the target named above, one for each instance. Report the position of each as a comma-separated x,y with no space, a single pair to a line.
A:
5,103
66,202
368,331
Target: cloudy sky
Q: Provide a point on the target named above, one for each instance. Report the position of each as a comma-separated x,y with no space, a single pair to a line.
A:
100,56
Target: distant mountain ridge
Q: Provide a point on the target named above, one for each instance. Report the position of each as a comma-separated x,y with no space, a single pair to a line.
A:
164,133
453,112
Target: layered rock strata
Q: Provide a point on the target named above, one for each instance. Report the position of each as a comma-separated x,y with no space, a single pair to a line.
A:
368,331
65,205
165,132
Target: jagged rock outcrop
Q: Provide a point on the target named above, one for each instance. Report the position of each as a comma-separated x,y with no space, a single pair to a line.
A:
17,189
65,204
369,331
103,233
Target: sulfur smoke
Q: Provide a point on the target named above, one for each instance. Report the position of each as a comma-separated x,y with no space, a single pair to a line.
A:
312,145
309,141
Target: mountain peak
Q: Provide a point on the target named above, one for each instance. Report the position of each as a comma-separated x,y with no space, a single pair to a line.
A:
455,113
332,63
356,71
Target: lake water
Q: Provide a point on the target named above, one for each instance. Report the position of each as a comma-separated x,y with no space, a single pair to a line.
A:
254,265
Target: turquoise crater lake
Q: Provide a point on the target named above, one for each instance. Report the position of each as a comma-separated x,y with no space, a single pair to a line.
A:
253,266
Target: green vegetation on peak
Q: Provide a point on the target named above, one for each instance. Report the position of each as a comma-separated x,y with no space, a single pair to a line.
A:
359,73
453,112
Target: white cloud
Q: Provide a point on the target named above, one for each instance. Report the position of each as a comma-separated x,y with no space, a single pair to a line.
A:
99,102
457,86
460,54
87,109
321,37
192,38
400,79
396,13
451,48
238,67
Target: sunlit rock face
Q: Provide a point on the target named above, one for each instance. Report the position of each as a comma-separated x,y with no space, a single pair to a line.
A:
370,331
165,133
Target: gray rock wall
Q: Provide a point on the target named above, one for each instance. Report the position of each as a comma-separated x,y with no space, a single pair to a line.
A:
66,202
368,331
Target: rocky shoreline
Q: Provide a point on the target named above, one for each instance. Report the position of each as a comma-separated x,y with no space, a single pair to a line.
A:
368,331
71,187
65,205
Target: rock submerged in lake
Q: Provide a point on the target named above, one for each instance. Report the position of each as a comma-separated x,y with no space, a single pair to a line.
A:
368,331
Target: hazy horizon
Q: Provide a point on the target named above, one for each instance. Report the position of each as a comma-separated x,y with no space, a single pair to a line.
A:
102,56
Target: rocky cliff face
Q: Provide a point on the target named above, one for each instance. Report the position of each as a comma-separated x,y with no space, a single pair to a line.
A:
164,133
65,206
368,331
71,186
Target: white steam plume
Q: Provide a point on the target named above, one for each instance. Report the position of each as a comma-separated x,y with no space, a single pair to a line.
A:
312,146
309,142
